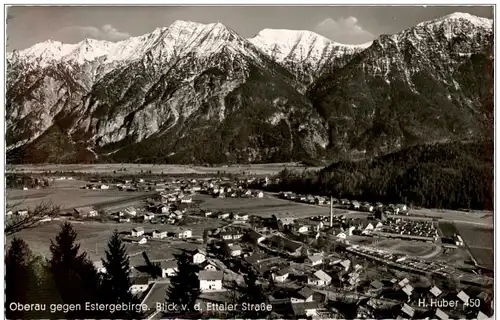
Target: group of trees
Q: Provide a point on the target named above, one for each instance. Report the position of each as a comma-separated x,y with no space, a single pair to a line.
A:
451,175
67,277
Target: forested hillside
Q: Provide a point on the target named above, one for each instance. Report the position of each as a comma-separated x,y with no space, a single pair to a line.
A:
450,175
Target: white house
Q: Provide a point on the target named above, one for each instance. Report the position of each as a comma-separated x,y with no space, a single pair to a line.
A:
139,240
315,260
139,285
148,216
25,188
260,194
104,187
137,232
208,266
159,234
304,295
99,266
210,280
208,213
303,229
199,257
341,235
241,217
168,268
319,278
86,212
131,211
281,275
187,200
235,250
22,213
182,234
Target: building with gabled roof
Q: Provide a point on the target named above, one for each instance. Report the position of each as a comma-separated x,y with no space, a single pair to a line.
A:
320,279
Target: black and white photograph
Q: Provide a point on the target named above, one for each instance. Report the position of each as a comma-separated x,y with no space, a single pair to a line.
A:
239,161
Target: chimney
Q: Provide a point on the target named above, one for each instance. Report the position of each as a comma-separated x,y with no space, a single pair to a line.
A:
331,211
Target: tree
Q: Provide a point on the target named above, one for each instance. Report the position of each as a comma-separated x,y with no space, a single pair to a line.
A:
20,277
116,281
17,223
184,287
252,294
74,274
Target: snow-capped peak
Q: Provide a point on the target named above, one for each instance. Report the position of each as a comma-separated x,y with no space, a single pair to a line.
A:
299,45
461,16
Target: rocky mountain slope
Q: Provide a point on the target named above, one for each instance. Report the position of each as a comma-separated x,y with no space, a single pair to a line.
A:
432,82
196,93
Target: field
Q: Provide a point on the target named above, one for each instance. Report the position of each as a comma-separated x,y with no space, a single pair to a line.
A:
411,248
129,168
264,207
93,238
67,194
480,242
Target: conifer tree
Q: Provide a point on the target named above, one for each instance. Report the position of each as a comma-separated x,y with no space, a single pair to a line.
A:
252,294
116,281
74,275
19,277
184,287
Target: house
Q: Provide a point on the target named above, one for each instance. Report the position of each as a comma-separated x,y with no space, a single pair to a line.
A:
355,205
464,297
254,236
346,264
232,249
187,200
241,217
435,291
408,310
124,220
404,282
260,194
376,284
130,211
139,285
367,207
441,315
199,257
281,275
159,234
183,234
305,309
104,187
25,188
303,295
283,222
139,239
85,212
315,260
168,268
408,289
319,278
207,213
231,235
210,280
302,229
99,266
208,266
148,216
137,232
223,215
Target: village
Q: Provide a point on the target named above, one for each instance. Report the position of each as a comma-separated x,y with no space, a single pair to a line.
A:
357,260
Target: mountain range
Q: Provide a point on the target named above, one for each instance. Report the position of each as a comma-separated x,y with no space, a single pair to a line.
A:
201,93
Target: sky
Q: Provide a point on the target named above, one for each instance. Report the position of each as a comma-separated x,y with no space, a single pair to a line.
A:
29,25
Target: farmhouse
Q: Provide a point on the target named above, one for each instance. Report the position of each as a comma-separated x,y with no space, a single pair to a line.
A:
305,309
210,280
208,266
139,285
241,217
281,275
148,216
303,295
139,239
85,212
183,234
283,222
168,268
138,231
319,278
99,266
130,211
199,256
159,234
315,260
